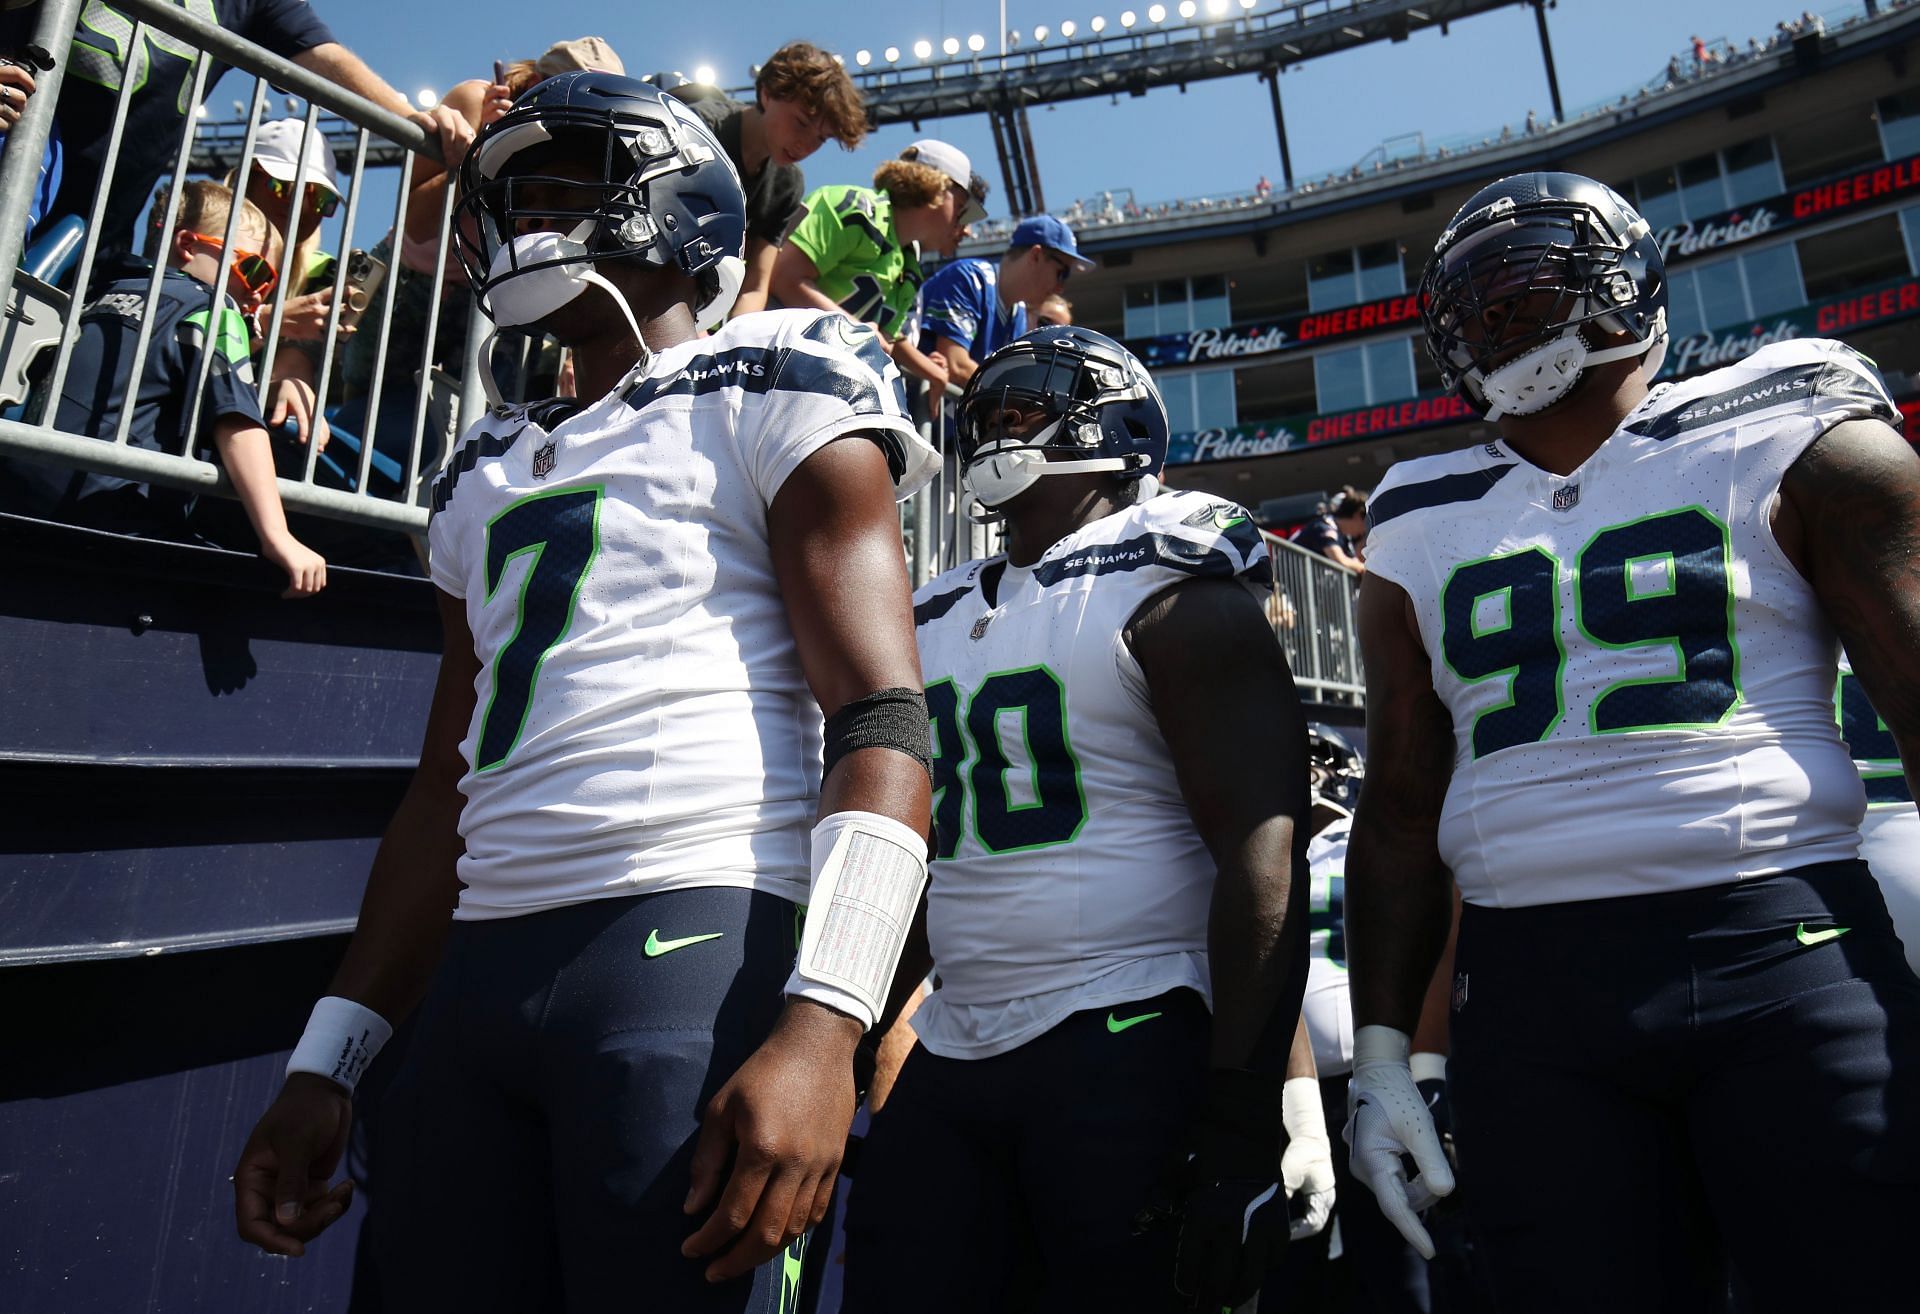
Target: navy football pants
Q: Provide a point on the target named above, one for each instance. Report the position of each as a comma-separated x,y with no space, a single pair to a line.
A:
533,1151
1056,1145
1647,1088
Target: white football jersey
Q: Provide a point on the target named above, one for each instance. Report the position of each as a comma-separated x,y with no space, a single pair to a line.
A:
1890,832
1328,1007
642,721
1067,872
1641,684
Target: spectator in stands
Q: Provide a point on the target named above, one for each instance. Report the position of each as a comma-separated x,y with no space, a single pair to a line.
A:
16,85
803,98
187,321
974,307
1054,311
858,249
1338,532
97,64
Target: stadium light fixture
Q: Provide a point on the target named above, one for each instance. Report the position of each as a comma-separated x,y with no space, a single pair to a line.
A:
704,75
863,57
1098,25
1040,33
1216,8
951,46
1127,19
1156,13
1248,4
426,98
976,43
1067,29
1188,9
923,49
892,54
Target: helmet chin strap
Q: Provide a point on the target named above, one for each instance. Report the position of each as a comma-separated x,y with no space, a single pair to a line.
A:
1537,379
997,475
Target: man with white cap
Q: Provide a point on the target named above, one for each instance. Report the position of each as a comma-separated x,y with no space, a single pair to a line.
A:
858,248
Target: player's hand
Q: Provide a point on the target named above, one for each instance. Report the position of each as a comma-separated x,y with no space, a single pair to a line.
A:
281,1199
1233,1219
1306,1168
783,1121
293,399
1387,1118
306,569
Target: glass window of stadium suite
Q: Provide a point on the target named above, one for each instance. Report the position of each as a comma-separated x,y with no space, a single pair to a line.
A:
1910,222
1724,293
1177,305
1365,375
1354,274
1203,399
1856,256
1899,117
1278,388
1708,184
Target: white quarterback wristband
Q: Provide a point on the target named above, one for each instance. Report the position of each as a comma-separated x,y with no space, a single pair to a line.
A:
868,871
340,1041
1428,1066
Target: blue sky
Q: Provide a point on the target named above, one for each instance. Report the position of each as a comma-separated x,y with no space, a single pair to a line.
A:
1216,138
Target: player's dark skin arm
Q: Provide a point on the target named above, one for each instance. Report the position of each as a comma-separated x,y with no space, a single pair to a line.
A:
782,1118
1399,902
281,1196
1219,681
1849,520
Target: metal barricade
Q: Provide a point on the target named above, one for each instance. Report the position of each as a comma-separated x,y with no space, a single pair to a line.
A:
350,491
940,523
1311,609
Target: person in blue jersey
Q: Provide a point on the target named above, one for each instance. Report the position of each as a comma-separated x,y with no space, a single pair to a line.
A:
971,308
1117,919
631,1073
1600,654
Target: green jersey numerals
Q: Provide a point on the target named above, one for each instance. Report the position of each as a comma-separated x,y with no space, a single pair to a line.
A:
1024,780
561,531
1660,581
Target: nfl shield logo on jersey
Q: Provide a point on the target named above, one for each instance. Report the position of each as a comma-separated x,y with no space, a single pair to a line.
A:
543,461
979,629
1459,991
1566,499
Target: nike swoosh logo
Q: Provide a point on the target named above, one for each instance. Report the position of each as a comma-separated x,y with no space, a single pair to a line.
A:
1116,1025
655,946
1218,523
1804,936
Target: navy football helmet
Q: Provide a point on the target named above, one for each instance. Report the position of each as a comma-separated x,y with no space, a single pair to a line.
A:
666,194
1061,400
1526,275
1334,772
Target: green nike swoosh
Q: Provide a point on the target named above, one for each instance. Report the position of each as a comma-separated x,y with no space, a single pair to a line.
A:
1804,936
655,946
1218,523
1117,1025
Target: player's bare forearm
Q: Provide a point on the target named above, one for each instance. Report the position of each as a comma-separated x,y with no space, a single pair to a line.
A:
1219,681
1398,892
414,883
1300,1057
1431,1035
1855,495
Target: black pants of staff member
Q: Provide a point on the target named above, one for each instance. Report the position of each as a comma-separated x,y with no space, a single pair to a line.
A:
1012,1183
1648,1088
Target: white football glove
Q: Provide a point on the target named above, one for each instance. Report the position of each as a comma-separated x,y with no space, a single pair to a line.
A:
1387,1118
1306,1166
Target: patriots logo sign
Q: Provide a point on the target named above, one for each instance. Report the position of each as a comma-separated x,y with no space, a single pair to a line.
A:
1566,499
544,459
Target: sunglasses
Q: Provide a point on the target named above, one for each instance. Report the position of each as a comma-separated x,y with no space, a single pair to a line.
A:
254,270
325,203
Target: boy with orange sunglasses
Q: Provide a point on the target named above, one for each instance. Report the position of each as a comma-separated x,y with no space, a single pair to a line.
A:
184,324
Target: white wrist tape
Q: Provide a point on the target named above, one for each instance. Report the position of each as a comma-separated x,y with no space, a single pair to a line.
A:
1428,1066
868,871
1378,1044
340,1041
1301,1111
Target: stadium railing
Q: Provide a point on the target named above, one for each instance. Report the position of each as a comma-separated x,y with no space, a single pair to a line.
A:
1311,608
393,502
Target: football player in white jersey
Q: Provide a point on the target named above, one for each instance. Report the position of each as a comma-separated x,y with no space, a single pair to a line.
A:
1119,941
1890,832
1600,657
622,1090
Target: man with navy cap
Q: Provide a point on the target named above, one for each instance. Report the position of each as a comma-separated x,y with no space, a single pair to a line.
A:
971,308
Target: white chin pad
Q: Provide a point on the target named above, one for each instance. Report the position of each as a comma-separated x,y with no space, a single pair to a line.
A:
712,313
522,298
1538,378
1003,477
